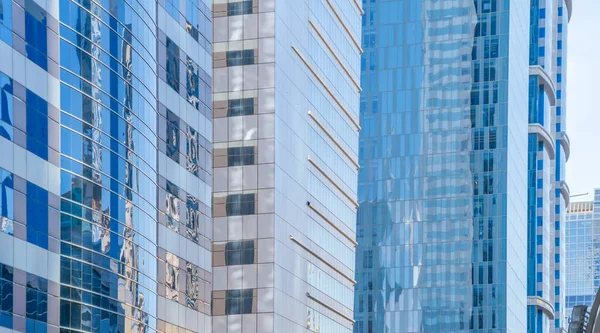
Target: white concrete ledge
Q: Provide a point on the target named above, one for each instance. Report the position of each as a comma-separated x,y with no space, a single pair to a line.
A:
545,79
541,304
565,142
565,192
569,4
545,137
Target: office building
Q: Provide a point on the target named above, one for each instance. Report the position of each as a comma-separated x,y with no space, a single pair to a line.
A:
582,242
442,222
549,149
285,117
106,143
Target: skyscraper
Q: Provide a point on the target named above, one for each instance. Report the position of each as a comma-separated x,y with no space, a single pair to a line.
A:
582,271
548,193
106,167
286,100
442,225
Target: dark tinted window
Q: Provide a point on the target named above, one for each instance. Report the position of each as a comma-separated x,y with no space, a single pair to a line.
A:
6,290
238,58
239,301
239,253
240,204
240,156
240,107
36,305
239,8
172,64
172,136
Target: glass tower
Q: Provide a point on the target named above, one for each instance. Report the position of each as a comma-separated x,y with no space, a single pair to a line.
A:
106,168
548,193
285,102
442,221
582,274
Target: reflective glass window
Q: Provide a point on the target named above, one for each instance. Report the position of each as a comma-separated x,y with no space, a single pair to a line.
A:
192,218
6,106
172,64
192,82
239,253
6,194
241,57
36,302
35,34
240,107
193,285
239,301
240,204
6,290
6,21
172,136
37,125
239,8
237,156
191,18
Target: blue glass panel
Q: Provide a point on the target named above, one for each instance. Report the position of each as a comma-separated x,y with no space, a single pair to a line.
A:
37,215
35,34
37,125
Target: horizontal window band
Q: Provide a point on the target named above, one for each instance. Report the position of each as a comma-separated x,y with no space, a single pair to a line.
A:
332,224
359,7
323,260
330,308
356,43
332,182
312,116
354,122
335,55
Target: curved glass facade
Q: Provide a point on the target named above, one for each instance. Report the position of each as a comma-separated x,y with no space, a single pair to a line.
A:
548,194
106,118
443,154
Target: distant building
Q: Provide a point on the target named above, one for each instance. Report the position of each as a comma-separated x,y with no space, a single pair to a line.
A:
582,241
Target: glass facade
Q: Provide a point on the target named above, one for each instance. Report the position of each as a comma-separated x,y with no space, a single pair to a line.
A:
582,274
548,193
443,152
286,100
106,136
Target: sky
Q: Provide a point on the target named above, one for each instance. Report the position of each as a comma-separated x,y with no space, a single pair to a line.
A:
583,96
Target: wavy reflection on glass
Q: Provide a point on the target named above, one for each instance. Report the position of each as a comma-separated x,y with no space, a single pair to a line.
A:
115,216
416,214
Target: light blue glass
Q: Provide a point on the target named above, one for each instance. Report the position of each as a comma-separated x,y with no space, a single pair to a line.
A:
442,185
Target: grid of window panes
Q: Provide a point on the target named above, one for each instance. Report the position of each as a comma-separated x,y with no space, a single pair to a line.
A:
433,181
81,130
